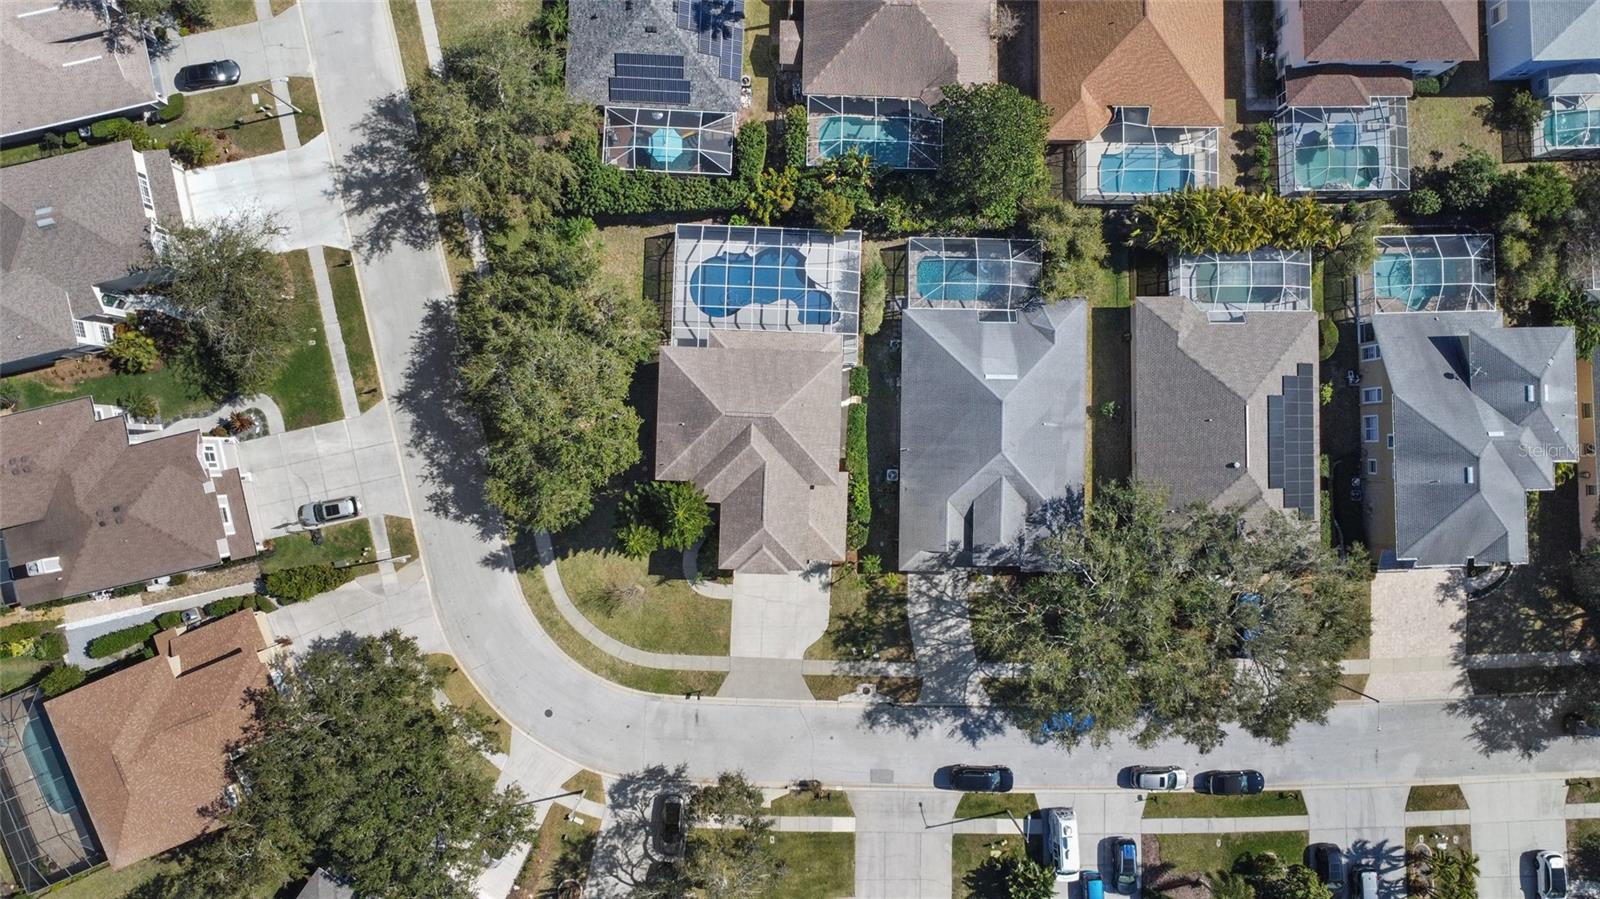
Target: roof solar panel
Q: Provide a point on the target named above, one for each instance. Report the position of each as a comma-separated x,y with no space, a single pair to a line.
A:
1291,441
649,90
648,65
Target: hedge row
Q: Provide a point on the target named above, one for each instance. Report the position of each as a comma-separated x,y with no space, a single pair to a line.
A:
60,679
795,137
218,608
860,381
859,515
116,641
306,581
25,630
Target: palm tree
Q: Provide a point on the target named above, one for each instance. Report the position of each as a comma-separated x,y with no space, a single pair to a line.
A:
1228,885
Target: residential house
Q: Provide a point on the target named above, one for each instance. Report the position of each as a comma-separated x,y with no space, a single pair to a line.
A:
71,227
323,885
148,746
1225,408
1136,91
1461,417
1556,45
755,420
908,49
991,432
62,69
668,74
1425,37
85,511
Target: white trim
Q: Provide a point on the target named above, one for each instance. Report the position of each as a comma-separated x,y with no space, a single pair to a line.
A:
1370,353
1372,465
227,514
79,62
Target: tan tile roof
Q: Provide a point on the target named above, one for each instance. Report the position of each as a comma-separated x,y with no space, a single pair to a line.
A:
1390,30
114,513
895,48
754,419
58,68
148,745
1345,85
1096,54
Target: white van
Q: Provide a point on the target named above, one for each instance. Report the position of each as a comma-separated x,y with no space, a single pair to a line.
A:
1366,882
1061,843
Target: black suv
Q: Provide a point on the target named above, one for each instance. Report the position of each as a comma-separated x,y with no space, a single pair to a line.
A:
980,778
1233,783
1327,860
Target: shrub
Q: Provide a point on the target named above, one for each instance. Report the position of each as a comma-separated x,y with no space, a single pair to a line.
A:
1328,337
1521,111
50,645
51,141
874,293
172,110
773,195
1467,184
71,139
25,630
103,129
110,644
661,515
16,649
599,189
860,495
228,605
795,137
750,150
1424,201
111,131
1228,220
994,137
306,581
178,580
860,381
129,589
132,353
1264,151
1073,246
169,620
833,213
1426,86
637,540
194,148
60,679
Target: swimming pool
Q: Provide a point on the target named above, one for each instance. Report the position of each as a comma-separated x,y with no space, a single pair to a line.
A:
886,140
725,283
1572,128
45,760
1145,169
1335,157
949,279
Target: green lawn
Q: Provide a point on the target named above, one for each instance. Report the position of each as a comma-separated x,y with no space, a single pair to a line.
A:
1583,789
622,596
1584,864
352,314
760,53
281,6
458,20
980,805
1435,798
459,690
1452,836
408,31
820,865
829,687
305,389
968,851
16,673
174,395
622,254
350,541
228,13
308,123
866,620
562,850
1443,124
402,536
580,650
1200,805
594,789
1198,853
221,111
832,804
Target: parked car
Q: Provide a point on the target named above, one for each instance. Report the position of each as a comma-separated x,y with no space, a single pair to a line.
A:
669,827
1233,783
1150,777
1552,875
204,75
980,778
1061,843
1092,887
1327,860
314,515
1127,860
1366,880
1582,723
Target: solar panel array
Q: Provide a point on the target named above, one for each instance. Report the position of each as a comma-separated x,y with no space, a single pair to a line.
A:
648,78
718,26
1291,441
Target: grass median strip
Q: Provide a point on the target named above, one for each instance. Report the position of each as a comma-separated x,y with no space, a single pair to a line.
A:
982,805
827,804
561,853
1435,798
594,789
347,304
1200,805
303,94
408,31
829,687
1181,854
459,690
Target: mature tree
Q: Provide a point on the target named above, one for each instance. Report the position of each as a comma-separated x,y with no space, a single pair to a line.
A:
1176,624
547,355
1354,249
492,124
662,515
132,353
833,213
232,299
131,22
1468,184
353,768
993,150
1578,312
733,860
1228,220
1074,246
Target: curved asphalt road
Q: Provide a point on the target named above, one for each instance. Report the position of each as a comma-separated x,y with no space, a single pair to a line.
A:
609,728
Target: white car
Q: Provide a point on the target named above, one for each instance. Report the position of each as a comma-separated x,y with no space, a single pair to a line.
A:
1552,875
1162,779
1061,843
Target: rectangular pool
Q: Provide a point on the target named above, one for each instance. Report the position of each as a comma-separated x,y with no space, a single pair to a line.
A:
1145,169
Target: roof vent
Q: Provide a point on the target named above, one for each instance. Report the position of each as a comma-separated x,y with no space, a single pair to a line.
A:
51,565
44,217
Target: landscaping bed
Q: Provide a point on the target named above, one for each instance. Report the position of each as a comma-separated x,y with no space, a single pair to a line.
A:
1451,836
1175,863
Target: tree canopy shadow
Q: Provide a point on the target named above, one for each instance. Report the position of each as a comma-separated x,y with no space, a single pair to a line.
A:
379,180
622,856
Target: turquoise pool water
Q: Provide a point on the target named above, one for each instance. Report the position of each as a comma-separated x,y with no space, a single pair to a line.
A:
1144,169
887,141
45,760
953,280
728,282
1572,128
1411,281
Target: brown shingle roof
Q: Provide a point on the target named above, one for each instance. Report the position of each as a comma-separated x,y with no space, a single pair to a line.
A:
1345,85
58,68
753,418
1390,30
113,513
148,745
895,48
1096,54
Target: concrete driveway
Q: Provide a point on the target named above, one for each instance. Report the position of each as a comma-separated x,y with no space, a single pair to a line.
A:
294,186
1510,823
897,855
262,49
355,456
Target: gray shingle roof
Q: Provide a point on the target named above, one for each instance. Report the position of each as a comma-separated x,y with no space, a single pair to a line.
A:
99,229
991,431
58,69
1460,384
1201,392
753,418
895,48
597,30
1558,30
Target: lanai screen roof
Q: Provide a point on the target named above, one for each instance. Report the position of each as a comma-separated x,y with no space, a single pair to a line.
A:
901,134
1263,279
1433,273
685,141
1336,149
972,272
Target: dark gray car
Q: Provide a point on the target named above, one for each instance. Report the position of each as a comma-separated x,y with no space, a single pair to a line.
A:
669,827
206,75
980,778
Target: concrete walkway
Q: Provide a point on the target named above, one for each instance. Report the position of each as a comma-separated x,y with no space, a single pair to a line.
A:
941,633
897,855
1510,822
691,573
269,410
365,607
